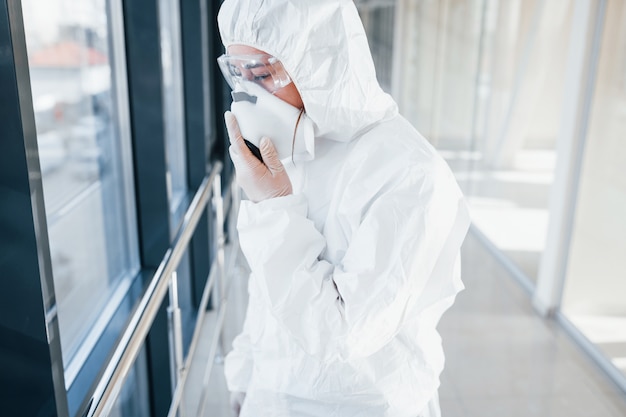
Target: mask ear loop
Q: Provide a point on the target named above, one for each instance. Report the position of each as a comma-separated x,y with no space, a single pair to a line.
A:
293,141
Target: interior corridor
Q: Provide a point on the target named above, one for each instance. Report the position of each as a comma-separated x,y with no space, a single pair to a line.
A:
503,360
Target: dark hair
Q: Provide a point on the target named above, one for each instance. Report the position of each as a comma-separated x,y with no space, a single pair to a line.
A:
293,141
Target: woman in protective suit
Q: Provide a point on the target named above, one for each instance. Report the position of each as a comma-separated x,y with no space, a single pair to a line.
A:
353,225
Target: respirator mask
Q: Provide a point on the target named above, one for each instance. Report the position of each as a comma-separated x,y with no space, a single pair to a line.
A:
259,113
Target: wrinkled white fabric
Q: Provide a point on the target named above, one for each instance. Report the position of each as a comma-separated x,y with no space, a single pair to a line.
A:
322,45
352,272
237,399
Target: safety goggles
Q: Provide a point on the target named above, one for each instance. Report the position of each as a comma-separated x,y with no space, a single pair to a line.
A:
263,69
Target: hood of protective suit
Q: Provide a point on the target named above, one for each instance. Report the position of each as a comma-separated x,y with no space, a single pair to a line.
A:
323,47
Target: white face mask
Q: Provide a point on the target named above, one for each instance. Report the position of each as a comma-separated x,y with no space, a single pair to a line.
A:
259,114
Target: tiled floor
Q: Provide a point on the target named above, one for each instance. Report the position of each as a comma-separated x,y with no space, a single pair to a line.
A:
502,359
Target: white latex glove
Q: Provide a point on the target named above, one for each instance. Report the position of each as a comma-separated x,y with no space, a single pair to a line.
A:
259,180
236,401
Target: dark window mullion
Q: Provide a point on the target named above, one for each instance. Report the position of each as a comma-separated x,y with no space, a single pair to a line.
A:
32,377
145,85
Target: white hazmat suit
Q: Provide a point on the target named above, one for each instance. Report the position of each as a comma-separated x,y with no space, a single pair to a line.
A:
352,272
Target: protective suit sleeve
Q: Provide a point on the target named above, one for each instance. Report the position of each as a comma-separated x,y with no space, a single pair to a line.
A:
354,307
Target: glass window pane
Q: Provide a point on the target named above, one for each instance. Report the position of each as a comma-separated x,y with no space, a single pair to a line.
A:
379,26
173,111
169,15
85,162
515,139
483,81
133,400
594,298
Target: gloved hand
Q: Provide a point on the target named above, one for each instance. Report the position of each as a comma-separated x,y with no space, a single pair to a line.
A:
259,180
236,401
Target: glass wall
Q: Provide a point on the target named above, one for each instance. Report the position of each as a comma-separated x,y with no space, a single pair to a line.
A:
171,58
133,400
594,298
85,156
438,57
518,115
174,118
379,25
482,80
98,182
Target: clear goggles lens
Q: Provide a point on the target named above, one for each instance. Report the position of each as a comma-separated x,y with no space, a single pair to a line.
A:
264,70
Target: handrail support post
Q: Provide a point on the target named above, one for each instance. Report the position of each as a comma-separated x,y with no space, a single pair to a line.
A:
218,209
175,333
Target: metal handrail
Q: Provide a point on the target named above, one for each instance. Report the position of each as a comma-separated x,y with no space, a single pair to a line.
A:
133,338
180,387
216,278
